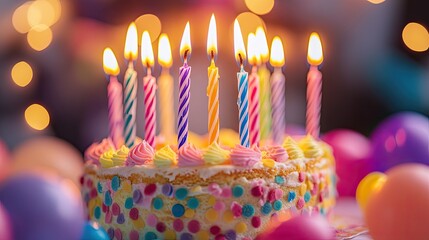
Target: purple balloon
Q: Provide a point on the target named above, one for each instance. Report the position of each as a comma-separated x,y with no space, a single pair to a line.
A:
351,151
401,138
43,207
5,225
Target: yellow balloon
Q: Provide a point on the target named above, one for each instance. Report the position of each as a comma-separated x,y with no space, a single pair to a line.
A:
369,185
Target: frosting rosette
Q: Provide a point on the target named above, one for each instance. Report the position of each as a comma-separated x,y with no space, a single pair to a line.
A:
190,156
140,154
276,152
165,157
245,157
311,147
93,153
106,158
120,156
215,155
292,149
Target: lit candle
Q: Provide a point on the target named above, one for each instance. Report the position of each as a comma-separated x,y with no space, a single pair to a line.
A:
213,85
277,60
165,85
149,87
314,85
130,86
184,87
264,84
255,60
243,85
114,94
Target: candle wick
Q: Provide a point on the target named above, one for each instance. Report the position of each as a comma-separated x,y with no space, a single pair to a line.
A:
185,56
212,55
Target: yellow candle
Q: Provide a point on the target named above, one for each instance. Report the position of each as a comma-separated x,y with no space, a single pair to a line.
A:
165,85
213,85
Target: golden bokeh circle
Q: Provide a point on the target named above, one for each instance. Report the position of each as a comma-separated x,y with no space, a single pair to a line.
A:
22,73
260,7
376,1
248,23
19,18
416,37
37,117
150,23
39,37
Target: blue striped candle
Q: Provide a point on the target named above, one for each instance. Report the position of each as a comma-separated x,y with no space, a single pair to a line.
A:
243,107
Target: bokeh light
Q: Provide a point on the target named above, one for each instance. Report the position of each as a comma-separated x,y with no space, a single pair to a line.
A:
150,23
376,1
37,116
19,18
39,37
249,22
416,37
41,12
260,7
22,74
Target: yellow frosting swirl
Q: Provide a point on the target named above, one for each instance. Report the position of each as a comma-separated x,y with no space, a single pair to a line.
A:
293,149
106,158
311,147
165,157
215,155
120,156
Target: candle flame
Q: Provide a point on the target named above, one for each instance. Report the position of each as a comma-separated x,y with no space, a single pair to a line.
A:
239,49
315,52
164,51
212,38
277,58
147,51
262,43
185,44
110,64
252,50
131,45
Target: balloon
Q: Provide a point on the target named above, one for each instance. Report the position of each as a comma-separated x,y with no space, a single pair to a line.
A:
302,227
400,210
5,225
43,207
93,231
369,185
49,153
351,151
401,138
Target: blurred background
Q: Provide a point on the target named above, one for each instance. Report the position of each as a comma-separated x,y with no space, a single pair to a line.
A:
376,60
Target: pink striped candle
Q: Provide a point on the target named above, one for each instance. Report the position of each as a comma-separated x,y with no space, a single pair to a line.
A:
255,60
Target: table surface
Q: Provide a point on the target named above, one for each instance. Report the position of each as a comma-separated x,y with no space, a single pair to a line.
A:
348,220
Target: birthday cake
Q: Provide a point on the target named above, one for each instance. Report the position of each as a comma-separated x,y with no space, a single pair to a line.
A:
225,185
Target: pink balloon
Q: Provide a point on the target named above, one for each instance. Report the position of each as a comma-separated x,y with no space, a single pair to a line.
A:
5,225
302,227
351,151
400,210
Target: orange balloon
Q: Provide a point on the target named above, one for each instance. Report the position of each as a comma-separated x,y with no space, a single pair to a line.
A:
400,210
48,153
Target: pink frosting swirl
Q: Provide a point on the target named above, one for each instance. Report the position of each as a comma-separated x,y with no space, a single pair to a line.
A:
93,153
140,154
246,157
190,156
277,153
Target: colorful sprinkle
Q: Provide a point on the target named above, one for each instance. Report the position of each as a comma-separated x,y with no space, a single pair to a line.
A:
248,211
257,191
241,227
150,189
228,216
157,203
266,208
186,236
99,187
189,213
181,193
170,234
301,176
120,219
116,183
178,210
129,203
167,190
230,235
291,196
212,201
161,227
220,237
214,230
237,191
256,221
269,163
97,212
307,196
219,206
193,203
111,233
116,209
279,180
150,236
193,226
178,225
107,199
151,220
108,217
236,209
134,213
211,215
277,205
300,203
137,196
226,192
203,235
118,234
134,235
104,207
275,194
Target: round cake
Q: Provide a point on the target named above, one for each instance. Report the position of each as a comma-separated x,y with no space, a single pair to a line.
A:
205,192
